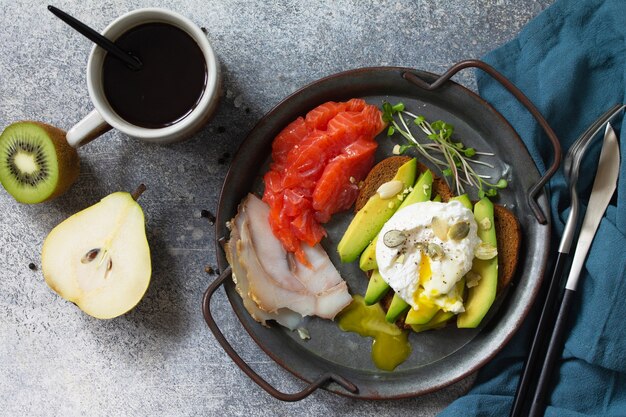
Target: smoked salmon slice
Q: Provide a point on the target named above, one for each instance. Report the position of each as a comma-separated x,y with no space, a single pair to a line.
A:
289,137
338,187
317,162
319,117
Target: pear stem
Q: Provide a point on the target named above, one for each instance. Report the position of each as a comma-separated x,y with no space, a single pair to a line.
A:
137,193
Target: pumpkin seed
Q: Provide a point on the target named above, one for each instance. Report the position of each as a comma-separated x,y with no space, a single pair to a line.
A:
485,251
440,228
394,238
303,333
485,224
435,251
471,279
459,230
421,246
390,189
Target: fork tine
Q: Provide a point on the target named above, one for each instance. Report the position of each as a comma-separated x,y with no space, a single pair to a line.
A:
577,150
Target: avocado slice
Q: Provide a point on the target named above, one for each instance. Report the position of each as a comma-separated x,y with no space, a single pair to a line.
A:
367,262
421,192
370,219
437,198
438,321
424,315
464,199
376,289
481,297
396,309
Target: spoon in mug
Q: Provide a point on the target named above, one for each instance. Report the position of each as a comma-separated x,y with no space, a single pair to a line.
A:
130,60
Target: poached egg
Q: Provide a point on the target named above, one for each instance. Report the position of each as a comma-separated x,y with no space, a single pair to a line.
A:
425,249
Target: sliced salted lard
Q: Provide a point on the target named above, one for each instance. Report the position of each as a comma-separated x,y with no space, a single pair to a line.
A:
272,283
284,317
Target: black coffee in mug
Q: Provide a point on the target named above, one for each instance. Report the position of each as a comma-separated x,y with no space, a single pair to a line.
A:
167,87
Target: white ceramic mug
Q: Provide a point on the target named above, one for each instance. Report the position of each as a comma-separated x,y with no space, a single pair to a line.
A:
103,117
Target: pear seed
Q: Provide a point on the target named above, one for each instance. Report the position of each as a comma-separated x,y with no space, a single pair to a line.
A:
90,256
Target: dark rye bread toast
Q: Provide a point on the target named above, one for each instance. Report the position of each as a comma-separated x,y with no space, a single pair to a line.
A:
385,170
508,232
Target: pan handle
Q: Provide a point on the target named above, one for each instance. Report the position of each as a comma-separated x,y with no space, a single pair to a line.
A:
474,63
208,317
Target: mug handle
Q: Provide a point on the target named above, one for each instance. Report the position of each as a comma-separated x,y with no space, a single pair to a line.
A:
83,132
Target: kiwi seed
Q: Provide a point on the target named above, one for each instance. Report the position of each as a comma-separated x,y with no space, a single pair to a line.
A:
23,147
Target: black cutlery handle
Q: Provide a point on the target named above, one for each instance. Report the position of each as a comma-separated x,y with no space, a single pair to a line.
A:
538,346
555,348
132,61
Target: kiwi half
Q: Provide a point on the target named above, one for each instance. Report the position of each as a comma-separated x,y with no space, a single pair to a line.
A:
36,162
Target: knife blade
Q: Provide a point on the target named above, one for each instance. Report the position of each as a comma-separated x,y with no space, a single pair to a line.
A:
604,186
545,324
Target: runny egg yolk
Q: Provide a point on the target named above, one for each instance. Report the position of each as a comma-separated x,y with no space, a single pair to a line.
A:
425,273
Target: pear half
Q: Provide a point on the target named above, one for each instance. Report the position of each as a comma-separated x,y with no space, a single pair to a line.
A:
99,258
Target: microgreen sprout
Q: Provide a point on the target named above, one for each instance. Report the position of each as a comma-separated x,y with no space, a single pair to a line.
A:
451,157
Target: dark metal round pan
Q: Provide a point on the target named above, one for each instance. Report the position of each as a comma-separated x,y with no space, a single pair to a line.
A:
340,361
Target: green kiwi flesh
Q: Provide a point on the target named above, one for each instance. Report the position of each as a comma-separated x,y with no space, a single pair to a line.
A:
36,162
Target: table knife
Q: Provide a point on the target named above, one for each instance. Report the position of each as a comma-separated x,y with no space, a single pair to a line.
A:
604,186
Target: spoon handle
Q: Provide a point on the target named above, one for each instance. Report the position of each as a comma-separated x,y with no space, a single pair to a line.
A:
130,60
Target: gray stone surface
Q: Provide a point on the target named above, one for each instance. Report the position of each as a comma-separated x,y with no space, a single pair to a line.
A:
160,359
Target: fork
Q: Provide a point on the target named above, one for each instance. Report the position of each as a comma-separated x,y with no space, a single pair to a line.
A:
571,168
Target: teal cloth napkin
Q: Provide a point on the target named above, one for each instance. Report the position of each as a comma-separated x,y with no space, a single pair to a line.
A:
571,62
